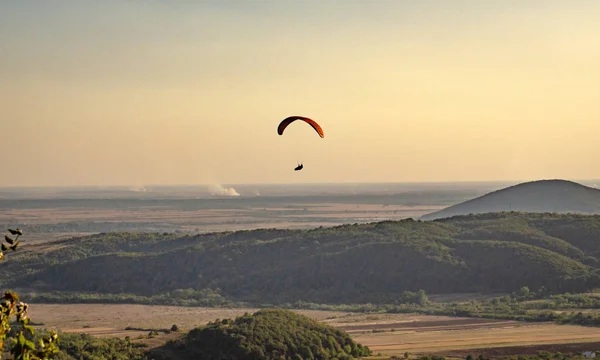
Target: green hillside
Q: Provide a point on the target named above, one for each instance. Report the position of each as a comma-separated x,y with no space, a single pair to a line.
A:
377,262
267,334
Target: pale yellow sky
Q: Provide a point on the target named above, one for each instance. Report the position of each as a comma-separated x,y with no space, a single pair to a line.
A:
191,92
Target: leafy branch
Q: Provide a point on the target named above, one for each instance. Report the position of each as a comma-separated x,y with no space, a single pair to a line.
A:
10,305
12,243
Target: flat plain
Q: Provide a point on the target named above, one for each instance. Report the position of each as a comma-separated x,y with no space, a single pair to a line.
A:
48,214
67,222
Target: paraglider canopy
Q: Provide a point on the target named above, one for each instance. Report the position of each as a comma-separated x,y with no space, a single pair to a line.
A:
299,167
287,121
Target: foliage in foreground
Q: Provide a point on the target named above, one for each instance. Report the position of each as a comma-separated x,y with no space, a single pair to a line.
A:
22,347
265,335
75,346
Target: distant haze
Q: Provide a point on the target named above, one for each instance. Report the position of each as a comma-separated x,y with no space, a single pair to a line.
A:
134,93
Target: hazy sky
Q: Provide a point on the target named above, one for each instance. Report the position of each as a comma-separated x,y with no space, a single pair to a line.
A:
191,92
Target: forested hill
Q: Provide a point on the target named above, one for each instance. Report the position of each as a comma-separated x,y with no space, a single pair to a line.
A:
265,335
558,196
377,262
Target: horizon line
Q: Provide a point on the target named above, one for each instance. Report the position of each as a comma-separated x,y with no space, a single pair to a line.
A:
288,183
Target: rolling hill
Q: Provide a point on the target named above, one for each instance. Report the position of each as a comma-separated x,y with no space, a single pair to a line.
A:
359,263
541,196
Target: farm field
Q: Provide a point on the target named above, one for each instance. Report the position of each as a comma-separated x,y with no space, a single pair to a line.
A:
388,334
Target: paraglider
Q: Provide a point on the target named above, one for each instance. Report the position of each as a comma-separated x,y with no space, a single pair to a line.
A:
287,121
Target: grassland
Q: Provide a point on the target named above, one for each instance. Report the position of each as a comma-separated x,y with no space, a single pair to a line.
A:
388,334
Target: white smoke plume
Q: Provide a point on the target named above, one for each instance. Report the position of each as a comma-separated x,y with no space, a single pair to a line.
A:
219,190
138,188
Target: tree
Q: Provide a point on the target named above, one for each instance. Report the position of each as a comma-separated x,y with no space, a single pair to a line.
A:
524,292
10,306
422,297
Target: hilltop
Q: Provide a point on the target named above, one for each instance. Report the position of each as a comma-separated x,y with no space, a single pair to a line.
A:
360,263
555,196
